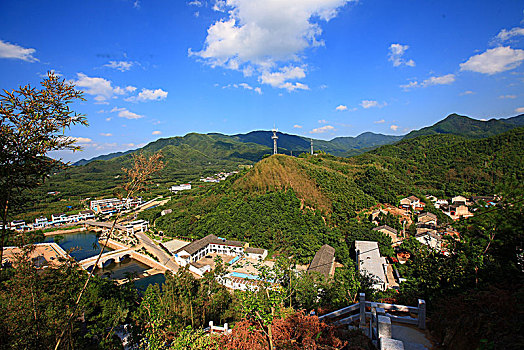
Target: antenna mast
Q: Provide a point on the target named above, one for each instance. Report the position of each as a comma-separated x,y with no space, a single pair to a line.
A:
311,146
275,138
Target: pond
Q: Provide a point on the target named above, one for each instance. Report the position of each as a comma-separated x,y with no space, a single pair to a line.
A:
84,245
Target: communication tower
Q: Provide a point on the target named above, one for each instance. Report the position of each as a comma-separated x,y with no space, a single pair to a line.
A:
275,138
311,146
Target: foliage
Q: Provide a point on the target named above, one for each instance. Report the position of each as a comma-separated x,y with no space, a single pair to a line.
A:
453,165
471,128
35,303
494,319
479,278
183,301
32,123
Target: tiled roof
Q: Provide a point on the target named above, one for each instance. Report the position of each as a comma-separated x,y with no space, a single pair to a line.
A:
251,250
323,260
386,227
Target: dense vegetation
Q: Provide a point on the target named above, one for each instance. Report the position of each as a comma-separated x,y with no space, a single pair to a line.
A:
472,128
447,165
292,206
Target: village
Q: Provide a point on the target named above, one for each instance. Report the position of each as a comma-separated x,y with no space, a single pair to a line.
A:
241,260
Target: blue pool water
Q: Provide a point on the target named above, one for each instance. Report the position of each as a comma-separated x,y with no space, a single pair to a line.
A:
235,259
244,275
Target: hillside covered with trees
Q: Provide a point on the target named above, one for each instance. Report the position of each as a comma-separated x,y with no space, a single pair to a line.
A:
297,204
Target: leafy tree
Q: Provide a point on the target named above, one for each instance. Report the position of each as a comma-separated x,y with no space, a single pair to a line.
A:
32,123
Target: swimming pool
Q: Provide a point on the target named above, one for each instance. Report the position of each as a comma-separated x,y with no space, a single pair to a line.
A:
243,275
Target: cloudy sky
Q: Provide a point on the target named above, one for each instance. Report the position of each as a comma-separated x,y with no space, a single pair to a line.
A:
319,68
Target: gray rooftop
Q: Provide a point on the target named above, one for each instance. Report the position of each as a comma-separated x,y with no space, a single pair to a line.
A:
387,228
370,260
323,260
195,246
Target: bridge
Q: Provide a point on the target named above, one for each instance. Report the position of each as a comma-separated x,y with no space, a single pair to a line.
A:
104,225
115,255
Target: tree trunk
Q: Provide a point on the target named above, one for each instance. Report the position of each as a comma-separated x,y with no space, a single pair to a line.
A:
270,334
3,235
191,308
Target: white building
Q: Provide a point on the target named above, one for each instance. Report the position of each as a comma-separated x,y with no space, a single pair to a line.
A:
40,222
182,187
430,238
440,202
137,226
196,250
370,263
112,205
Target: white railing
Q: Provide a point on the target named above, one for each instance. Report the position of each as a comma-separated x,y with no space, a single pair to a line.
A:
380,319
361,315
217,329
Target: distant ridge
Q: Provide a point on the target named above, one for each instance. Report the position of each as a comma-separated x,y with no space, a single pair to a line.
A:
240,146
472,128
102,157
287,143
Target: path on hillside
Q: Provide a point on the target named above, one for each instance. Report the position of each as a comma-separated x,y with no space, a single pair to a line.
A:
151,246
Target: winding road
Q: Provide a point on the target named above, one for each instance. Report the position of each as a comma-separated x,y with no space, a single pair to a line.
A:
153,248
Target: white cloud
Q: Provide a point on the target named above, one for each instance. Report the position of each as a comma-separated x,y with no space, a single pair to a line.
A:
321,130
125,113
393,127
341,108
505,35
396,51
508,96
195,3
442,80
149,95
220,6
497,60
258,36
81,140
411,84
120,65
296,126
520,110
106,134
322,121
8,50
381,121
101,88
156,132
245,86
435,80
280,78
370,103
467,92
129,115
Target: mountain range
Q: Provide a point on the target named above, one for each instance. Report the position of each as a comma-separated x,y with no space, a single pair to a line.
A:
340,146
195,155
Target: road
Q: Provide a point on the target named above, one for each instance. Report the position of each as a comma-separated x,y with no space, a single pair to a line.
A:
151,247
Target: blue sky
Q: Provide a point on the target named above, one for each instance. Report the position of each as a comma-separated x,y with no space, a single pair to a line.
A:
319,68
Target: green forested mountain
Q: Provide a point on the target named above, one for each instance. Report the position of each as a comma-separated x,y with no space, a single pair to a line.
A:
340,146
298,204
420,161
472,128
